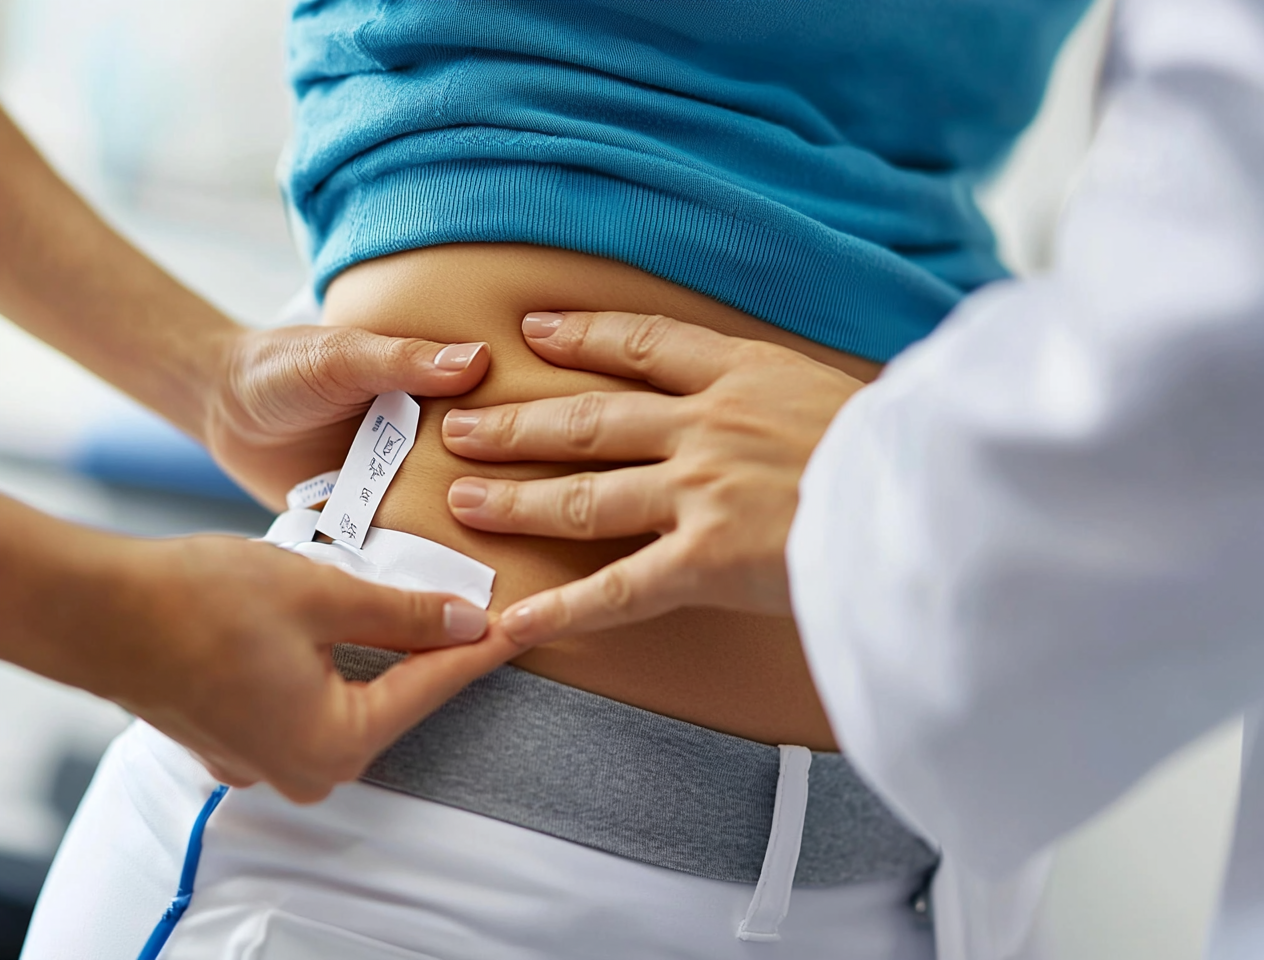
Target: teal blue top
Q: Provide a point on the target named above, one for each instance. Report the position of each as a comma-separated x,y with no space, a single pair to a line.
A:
810,162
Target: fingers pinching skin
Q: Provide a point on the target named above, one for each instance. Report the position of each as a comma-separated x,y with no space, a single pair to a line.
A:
402,619
286,405
301,376
581,506
674,356
587,426
240,634
367,364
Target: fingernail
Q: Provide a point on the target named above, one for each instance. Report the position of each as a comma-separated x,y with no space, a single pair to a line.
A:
467,494
460,423
457,356
463,622
537,326
517,623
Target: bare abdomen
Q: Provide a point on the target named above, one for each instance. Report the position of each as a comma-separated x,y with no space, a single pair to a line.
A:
737,673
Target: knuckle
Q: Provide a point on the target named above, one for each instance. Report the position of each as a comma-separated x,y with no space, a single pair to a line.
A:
581,419
559,614
505,427
577,504
421,609
616,590
722,407
323,361
401,353
509,505
577,332
330,351
732,414
698,473
646,337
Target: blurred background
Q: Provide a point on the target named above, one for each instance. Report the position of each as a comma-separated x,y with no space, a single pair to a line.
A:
170,116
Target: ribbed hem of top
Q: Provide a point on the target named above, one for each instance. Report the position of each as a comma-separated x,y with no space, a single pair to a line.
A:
827,286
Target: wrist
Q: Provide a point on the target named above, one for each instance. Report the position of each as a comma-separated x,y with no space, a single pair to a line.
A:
199,380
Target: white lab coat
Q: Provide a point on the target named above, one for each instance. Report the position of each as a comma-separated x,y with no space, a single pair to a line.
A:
1028,563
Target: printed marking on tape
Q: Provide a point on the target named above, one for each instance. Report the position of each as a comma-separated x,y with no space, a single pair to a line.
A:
311,492
380,446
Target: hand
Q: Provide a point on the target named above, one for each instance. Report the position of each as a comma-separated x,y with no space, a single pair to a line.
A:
288,401
225,645
721,484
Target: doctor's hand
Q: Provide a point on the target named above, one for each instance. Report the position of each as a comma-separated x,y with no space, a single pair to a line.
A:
285,400
718,463
225,645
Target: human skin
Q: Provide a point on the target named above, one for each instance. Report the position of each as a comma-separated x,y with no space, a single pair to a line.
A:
718,467
735,671
221,643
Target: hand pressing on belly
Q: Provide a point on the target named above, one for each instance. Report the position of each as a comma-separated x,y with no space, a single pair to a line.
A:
717,461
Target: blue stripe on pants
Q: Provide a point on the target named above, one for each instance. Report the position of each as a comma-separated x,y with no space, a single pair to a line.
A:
188,873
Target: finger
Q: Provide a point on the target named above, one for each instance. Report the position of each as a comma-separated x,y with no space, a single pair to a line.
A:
414,688
588,426
646,584
232,775
347,366
673,356
582,506
378,616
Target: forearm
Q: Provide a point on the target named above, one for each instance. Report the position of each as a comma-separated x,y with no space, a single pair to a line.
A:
70,280
60,582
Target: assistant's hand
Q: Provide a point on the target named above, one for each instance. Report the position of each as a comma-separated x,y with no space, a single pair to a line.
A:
225,645
284,399
721,484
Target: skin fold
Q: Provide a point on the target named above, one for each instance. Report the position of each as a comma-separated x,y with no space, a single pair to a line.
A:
738,672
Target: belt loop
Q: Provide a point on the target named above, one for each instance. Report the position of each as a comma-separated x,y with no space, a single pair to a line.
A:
771,902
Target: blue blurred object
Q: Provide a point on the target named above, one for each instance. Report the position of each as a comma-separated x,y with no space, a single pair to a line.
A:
139,450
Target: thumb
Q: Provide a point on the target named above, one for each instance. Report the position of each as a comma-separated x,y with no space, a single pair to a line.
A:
378,616
348,365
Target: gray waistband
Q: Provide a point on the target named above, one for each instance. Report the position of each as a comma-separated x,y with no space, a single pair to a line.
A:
575,765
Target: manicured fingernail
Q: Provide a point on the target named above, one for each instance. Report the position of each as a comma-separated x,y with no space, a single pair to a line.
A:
460,423
467,494
537,326
463,622
517,623
457,356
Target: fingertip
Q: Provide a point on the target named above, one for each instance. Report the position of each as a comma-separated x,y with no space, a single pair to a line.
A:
523,625
463,622
456,357
305,795
467,494
428,369
541,325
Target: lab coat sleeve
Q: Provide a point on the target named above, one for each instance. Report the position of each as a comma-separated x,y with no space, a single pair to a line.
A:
1028,562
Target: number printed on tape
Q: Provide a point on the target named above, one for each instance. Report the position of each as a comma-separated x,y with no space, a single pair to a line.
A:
380,446
311,492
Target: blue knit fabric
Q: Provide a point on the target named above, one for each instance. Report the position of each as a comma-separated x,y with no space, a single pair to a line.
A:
810,162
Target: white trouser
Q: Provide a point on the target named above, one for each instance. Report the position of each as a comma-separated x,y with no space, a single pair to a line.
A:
370,874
